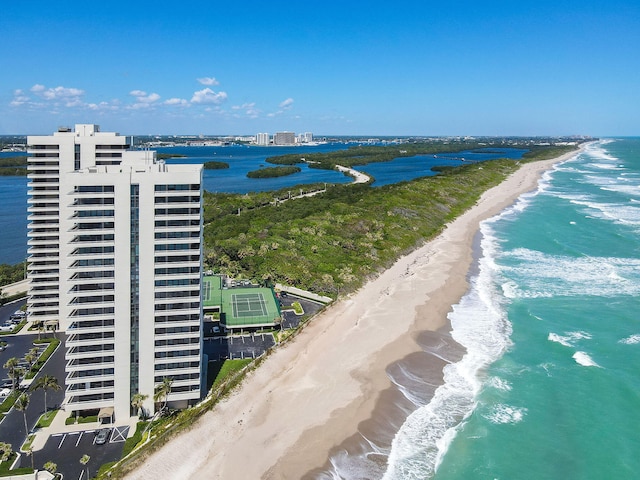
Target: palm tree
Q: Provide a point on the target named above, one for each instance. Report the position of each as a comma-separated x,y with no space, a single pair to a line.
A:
162,391
31,357
40,326
22,402
46,382
51,467
137,402
16,375
11,366
5,451
30,454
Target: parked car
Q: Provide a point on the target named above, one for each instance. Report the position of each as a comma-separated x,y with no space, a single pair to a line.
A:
6,328
102,436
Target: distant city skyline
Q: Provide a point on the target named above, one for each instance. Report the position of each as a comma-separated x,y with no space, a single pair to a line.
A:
413,68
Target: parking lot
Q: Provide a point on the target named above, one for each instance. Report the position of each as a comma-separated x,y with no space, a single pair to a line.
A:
238,346
254,344
66,449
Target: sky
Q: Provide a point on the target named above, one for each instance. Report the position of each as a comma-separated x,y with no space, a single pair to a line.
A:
332,68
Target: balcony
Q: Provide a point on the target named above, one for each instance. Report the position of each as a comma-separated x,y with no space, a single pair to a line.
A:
75,340
89,350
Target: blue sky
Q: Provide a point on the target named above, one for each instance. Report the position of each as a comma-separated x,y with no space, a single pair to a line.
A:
330,67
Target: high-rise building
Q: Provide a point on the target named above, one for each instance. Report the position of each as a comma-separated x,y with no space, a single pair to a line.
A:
262,139
284,138
115,260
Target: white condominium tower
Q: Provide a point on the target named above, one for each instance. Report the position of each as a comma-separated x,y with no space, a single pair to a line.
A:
284,138
262,139
115,240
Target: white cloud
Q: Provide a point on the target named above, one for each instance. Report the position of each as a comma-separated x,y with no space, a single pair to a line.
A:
19,98
209,81
142,97
208,96
102,106
249,110
181,102
286,104
58,93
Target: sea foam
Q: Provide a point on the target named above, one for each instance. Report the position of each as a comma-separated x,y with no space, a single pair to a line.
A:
631,340
479,324
504,414
568,339
584,359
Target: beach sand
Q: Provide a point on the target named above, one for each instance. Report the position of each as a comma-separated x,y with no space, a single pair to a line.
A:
317,395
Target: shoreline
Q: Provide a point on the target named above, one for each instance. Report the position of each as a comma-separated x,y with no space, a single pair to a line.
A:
316,393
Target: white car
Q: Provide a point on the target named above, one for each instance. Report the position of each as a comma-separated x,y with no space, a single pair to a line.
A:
6,328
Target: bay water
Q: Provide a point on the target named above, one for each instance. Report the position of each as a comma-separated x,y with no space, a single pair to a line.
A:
549,384
241,160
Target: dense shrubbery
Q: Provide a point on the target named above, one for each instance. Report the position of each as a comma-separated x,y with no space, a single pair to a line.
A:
215,165
13,166
333,242
11,273
272,172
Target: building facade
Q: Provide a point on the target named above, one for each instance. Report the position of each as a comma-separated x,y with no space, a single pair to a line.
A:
284,138
262,139
115,259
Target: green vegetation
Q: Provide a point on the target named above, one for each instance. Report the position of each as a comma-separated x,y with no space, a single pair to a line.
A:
53,344
164,156
218,372
13,166
11,273
215,165
13,161
13,172
4,468
167,426
27,445
131,442
73,419
8,402
46,419
297,308
273,172
362,155
333,242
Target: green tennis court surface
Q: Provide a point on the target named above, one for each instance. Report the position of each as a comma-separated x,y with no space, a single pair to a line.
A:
241,307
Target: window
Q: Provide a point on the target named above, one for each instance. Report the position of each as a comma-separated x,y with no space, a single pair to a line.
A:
94,189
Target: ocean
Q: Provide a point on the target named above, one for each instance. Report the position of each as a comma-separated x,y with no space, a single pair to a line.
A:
548,386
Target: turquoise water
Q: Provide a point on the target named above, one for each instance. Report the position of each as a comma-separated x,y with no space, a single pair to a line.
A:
549,387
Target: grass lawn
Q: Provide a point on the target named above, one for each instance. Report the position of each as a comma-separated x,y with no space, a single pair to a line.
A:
46,419
219,371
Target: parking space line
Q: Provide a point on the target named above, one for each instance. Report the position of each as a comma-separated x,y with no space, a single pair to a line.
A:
62,440
79,438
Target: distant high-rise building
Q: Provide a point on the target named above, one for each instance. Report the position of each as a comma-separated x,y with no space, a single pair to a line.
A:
284,138
115,260
262,139
307,137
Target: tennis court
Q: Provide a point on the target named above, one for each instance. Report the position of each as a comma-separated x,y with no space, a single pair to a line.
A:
248,305
240,307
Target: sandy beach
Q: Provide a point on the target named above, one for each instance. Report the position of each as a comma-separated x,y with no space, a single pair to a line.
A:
317,395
